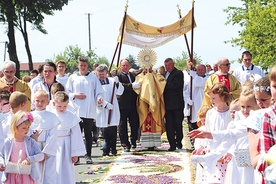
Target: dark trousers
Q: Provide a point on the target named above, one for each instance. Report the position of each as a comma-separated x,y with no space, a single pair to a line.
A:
174,128
87,126
191,126
95,132
110,138
132,116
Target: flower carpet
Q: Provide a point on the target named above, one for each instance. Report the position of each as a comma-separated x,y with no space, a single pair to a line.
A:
150,167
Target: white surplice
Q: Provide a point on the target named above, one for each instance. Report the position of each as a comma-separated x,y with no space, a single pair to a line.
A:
68,143
242,73
63,79
6,123
91,87
102,112
198,84
73,107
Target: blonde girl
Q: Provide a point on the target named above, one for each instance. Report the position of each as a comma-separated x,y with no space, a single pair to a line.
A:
217,119
20,142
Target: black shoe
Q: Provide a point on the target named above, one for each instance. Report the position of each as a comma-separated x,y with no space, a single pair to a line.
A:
88,159
105,154
114,154
171,149
126,149
179,147
134,146
150,149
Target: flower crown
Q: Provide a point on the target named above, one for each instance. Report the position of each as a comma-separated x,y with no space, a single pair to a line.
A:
28,116
262,88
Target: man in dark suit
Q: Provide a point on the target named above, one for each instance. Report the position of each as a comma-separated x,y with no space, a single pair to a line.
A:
127,105
174,104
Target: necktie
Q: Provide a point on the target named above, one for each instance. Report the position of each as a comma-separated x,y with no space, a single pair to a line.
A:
128,76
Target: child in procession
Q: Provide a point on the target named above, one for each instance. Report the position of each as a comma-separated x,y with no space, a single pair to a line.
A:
19,143
17,101
217,118
45,126
69,144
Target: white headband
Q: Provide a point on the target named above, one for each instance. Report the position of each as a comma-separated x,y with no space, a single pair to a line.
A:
262,88
28,116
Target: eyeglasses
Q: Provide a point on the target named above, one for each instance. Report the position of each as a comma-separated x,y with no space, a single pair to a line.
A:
227,64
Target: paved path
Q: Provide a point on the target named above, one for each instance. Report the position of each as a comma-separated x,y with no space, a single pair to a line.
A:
139,166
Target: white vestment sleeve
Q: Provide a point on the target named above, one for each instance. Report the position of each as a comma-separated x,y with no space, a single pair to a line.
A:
77,145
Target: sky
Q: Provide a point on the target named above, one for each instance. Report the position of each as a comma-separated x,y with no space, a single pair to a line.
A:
70,27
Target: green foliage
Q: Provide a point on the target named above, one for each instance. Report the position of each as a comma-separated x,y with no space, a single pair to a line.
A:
258,22
71,54
102,60
181,62
18,13
133,62
23,73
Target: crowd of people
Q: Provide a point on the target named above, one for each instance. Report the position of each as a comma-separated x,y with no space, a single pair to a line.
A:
230,117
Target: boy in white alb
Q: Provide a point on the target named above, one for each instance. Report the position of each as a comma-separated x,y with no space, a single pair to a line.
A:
86,91
61,76
45,123
73,107
68,140
107,122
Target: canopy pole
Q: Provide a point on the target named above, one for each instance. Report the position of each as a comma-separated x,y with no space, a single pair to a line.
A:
192,58
185,36
122,36
119,54
113,57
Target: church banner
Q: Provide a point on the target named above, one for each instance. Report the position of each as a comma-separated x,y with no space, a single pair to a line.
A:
145,36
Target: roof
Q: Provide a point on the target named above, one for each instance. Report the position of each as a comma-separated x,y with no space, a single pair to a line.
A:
25,66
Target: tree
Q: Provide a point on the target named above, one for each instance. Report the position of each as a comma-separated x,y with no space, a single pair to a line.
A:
181,62
71,54
102,60
17,13
7,14
33,12
133,62
258,22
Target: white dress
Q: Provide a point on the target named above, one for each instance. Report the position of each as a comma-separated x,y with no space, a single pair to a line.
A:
46,122
67,144
215,121
242,175
235,138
